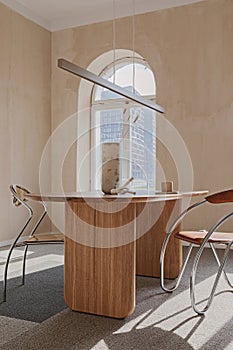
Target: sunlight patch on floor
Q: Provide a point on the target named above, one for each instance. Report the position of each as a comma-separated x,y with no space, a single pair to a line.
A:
35,264
16,254
176,315
133,323
101,345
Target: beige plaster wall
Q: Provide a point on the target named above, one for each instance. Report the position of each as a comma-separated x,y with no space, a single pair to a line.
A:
190,50
25,119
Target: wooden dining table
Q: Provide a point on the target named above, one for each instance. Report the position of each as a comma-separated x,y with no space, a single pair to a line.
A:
111,238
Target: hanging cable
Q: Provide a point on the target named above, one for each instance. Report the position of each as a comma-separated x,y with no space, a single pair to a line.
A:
134,63
133,43
114,41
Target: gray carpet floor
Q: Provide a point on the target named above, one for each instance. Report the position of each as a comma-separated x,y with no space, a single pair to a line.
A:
35,316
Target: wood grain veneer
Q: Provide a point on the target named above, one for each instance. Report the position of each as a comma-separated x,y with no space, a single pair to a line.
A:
99,280
149,245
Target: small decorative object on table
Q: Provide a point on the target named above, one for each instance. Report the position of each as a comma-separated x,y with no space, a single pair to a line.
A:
167,187
111,170
123,189
110,166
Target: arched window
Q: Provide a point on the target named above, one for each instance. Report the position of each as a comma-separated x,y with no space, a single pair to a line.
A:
117,119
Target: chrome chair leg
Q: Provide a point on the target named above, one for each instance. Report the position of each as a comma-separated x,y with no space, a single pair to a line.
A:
220,269
181,271
164,247
24,263
193,280
6,272
26,247
10,252
219,263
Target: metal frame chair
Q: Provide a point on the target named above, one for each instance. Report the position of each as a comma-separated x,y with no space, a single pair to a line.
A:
18,192
200,238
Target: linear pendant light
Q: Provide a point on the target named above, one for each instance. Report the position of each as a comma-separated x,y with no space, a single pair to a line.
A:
85,74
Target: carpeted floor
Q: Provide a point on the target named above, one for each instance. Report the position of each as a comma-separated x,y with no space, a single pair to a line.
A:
35,316
39,299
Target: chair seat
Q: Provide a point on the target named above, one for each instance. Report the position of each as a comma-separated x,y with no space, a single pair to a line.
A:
46,237
196,237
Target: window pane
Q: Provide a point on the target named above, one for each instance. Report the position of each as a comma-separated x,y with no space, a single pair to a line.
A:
111,125
143,147
134,77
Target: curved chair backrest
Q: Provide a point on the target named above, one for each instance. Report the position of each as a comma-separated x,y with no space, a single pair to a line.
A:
220,197
18,193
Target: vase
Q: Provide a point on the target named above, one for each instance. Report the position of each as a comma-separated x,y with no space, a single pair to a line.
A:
110,166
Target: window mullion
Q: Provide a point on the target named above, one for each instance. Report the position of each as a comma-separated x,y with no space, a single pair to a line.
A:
125,145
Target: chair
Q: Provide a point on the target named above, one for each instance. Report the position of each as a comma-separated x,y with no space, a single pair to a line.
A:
19,193
200,238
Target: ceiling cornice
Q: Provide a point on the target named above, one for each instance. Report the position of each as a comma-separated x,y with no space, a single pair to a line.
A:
100,11
26,12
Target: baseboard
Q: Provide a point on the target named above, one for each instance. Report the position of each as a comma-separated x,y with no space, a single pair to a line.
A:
7,243
185,244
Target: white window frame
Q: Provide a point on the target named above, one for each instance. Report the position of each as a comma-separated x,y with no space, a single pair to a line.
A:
117,103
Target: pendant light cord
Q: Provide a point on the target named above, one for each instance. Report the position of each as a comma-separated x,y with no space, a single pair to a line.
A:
133,43
114,41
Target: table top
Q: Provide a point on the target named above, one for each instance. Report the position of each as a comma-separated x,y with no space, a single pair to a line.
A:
95,196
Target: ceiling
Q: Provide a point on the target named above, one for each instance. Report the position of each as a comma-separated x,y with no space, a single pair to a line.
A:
59,14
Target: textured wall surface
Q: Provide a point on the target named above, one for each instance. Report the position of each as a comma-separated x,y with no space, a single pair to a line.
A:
190,51
25,122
